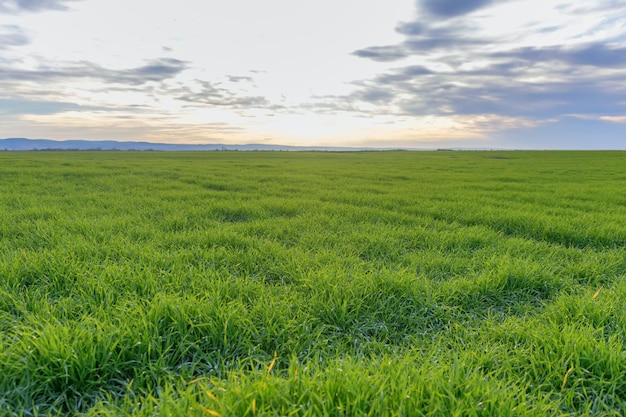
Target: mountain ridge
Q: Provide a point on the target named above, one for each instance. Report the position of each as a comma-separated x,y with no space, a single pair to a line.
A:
25,144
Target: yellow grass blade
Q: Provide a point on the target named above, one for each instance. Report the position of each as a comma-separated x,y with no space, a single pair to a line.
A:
211,396
211,412
272,363
195,381
569,371
597,293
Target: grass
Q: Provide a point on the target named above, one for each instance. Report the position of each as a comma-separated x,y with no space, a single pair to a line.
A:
313,284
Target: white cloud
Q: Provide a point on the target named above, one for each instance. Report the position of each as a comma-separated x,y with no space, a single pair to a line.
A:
614,119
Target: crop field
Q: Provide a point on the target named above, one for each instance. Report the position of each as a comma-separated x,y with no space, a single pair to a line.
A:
313,284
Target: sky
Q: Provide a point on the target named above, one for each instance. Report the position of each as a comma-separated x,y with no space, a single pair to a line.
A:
504,74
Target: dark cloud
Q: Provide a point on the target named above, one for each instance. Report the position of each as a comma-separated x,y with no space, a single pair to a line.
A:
239,78
452,8
533,100
382,53
19,106
19,6
493,90
595,54
413,28
423,39
12,36
9,75
404,74
214,95
424,45
599,55
154,71
460,74
375,95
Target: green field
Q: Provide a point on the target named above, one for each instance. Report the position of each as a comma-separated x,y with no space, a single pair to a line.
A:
313,284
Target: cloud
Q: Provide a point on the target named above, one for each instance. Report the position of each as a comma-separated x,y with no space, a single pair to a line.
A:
595,54
580,8
154,71
240,78
404,74
208,93
531,70
19,6
452,8
441,40
598,55
493,89
136,89
11,35
614,119
382,53
374,95
423,39
19,106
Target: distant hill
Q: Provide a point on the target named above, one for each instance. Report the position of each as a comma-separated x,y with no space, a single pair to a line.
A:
22,144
